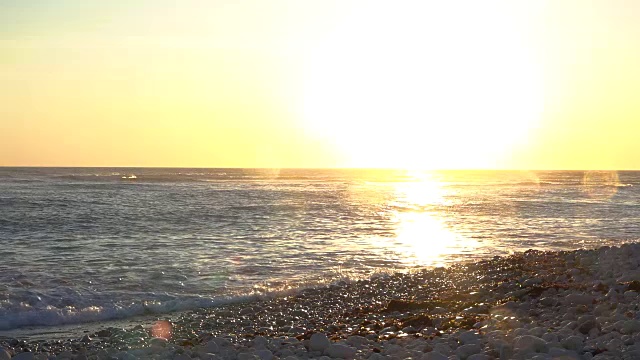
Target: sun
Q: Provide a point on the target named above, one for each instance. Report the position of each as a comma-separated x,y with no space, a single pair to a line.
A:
423,85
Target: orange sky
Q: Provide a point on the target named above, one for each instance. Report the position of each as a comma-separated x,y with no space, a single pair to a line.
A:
417,84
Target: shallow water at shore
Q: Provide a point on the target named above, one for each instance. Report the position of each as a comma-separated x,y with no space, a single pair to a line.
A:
83,245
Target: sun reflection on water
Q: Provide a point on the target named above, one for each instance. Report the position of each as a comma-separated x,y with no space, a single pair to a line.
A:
422,190
422,235
423,239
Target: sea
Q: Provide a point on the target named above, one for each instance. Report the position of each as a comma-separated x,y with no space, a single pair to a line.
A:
81,245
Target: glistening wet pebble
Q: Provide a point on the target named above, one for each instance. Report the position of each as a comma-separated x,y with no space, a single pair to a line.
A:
532,305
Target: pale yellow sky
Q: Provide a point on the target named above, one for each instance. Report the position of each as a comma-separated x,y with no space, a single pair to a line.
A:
430,84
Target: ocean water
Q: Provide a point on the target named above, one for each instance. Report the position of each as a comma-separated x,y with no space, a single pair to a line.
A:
92,244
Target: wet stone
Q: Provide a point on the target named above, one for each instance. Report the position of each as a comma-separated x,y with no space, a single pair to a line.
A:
103,333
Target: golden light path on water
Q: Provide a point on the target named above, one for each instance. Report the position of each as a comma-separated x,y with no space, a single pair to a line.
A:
424,238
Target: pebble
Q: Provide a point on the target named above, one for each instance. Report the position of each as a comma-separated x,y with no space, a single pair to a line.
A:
388,330
614,344
247,356
264,354
24,356
434,355
211,347
529,343
65,355
465,351
340,351
260,342
319,342
295,330
630,326
532,281
357,341
586,326
409,330
579,299
548,301
469,337
479,357
573,343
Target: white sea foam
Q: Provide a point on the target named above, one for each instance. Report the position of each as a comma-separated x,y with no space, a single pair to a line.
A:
24,315
18,313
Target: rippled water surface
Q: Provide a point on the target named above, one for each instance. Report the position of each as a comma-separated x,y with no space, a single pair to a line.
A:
88,244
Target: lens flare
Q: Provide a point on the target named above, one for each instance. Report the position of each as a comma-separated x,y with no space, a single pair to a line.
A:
600,185
161,329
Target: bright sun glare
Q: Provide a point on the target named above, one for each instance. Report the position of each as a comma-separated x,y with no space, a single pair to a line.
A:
423,237
404,86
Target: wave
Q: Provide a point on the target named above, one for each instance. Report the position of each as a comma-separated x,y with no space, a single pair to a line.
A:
71,306
24,315
34,309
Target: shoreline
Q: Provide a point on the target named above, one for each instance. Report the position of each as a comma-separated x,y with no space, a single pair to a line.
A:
579,304
76,330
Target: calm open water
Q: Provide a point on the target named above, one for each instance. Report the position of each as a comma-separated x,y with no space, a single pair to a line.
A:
88,244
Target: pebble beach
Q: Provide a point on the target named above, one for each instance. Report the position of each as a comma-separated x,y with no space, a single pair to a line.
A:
533,305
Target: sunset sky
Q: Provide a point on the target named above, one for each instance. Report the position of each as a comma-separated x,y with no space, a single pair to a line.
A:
410,84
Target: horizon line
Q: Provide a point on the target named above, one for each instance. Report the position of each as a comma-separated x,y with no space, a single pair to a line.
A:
305,168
